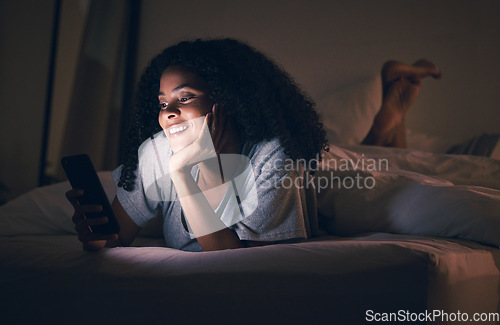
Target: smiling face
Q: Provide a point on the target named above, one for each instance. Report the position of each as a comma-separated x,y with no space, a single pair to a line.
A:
184,101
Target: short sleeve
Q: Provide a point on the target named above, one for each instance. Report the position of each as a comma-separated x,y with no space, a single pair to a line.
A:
279,214
135,202
152,188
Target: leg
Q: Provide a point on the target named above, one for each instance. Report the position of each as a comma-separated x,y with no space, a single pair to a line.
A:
400,87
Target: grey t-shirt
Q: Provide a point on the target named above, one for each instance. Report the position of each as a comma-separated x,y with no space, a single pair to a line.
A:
266,202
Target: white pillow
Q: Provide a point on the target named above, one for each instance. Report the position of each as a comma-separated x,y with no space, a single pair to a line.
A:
44,210
347,112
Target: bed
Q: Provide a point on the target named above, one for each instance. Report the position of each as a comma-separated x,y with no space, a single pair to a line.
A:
420,246
351,274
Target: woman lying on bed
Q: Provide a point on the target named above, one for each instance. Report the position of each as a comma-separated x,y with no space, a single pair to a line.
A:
215,123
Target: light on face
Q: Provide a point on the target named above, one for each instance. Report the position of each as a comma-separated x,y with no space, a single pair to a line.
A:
182,134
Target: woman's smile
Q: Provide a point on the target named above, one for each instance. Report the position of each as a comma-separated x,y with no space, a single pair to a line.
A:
177,129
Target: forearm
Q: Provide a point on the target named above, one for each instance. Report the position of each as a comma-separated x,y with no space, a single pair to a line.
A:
210,231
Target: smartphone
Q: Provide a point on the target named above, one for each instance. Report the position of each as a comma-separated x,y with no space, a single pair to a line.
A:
82,175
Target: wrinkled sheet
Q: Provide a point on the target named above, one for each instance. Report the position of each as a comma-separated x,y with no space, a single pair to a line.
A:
410,192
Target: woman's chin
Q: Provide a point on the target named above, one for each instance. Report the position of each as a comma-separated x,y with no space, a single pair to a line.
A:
179,143
180,139
177,147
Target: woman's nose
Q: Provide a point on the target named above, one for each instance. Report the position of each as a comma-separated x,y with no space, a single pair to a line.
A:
172,111
171,115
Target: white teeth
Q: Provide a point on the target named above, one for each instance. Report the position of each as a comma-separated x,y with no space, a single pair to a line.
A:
177,129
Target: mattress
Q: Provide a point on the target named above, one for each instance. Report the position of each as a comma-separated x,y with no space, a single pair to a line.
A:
50,279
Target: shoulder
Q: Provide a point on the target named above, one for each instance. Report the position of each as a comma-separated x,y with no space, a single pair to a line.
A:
265,150
154,155
268,157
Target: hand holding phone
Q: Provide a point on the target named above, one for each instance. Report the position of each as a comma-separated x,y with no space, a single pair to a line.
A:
91,205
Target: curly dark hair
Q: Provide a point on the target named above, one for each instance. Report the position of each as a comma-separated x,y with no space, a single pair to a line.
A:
260,98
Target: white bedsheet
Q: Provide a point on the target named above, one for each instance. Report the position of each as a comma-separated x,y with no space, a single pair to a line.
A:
45,277
411,192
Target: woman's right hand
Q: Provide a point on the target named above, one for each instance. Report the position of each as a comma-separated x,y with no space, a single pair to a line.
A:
201,149
83,225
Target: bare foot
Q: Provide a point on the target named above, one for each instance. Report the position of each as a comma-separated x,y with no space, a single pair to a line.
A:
400,86
394,70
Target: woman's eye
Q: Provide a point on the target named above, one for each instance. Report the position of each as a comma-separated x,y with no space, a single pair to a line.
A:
163,105
185,99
